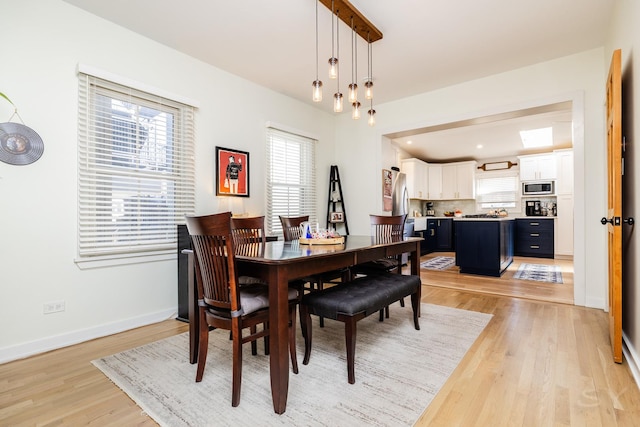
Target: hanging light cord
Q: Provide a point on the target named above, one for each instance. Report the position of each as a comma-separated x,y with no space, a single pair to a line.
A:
355,44
352,54
332,31
317,39
337,48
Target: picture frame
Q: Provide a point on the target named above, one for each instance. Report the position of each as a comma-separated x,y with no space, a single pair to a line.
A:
232,172
336,217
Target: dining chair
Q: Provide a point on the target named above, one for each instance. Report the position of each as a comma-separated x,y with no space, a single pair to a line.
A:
384,228
222,303
291,231
249,239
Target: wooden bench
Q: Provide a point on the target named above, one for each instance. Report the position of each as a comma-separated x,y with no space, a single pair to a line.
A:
352,301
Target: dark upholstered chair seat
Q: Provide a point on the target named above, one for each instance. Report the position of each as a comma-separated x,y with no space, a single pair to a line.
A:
363,295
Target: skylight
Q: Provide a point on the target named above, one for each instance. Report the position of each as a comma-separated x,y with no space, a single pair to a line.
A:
534,138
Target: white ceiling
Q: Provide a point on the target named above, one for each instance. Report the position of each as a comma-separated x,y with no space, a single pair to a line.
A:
427,44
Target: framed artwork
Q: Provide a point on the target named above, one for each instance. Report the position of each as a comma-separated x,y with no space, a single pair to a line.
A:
387,180
336,217
232,172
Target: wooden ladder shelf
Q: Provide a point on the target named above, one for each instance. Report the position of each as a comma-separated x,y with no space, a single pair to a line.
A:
336,212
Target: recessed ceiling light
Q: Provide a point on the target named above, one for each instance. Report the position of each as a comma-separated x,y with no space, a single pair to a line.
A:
409,142
533,138
479,146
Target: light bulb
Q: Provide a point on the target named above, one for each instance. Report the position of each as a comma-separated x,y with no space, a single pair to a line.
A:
333,68
355,112
372,117
368,92
337,102
317,91
353,93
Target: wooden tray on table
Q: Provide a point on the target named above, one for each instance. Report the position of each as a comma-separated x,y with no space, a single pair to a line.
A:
326,241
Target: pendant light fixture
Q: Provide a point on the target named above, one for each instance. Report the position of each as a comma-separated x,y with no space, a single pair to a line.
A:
337,97
360,26
317,84
368,92
355,111
372,116
333,61
353,87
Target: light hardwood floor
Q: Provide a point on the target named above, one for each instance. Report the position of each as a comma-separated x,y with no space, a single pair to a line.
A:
505,285
536,364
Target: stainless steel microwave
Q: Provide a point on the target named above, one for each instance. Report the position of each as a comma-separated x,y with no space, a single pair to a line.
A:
538,187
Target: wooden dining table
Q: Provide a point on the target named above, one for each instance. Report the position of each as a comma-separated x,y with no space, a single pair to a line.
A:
279,262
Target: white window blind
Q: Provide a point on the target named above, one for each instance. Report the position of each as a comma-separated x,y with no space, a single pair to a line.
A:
135,169
497,191
291,178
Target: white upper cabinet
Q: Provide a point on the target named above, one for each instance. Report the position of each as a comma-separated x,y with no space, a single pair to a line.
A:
537,167
417,177
564,163
458,180
435,182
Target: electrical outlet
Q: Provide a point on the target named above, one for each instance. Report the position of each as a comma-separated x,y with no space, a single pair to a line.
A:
53,307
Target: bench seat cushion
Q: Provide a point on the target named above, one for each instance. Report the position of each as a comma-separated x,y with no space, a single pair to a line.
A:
363,295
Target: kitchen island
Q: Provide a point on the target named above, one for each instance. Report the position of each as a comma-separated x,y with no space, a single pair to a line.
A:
484,245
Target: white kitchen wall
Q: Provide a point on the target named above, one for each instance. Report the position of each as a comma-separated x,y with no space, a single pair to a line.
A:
579,78
44,42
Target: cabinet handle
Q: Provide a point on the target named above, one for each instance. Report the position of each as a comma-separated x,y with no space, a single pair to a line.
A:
534,224
534,247
534,234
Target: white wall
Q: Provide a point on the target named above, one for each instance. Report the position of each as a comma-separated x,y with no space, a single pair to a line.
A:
579,78
44,40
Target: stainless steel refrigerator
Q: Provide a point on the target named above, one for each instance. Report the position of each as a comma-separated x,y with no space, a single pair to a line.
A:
400,203
399,194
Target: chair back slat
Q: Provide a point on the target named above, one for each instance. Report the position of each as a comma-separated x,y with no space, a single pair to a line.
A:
386,228
213,246
249,236
291,226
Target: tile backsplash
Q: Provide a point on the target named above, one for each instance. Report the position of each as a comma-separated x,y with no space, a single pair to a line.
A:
440,206
468,207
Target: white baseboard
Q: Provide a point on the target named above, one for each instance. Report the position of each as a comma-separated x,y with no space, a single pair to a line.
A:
31,348
632,358
596,303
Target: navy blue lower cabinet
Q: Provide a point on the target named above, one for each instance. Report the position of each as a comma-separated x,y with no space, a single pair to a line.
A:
535,237
484,246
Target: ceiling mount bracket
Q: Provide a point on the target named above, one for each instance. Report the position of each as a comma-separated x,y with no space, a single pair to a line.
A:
346,11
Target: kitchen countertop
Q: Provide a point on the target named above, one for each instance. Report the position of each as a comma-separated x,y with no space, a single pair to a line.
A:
507,217
499,218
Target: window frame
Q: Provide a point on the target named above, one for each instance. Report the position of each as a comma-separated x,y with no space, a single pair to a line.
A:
499,174
176,178
306,182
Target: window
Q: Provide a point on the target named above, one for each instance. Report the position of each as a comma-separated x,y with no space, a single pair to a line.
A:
499,189
135,170
291,178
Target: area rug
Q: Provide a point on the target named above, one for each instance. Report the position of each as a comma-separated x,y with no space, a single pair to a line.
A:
439,263
539,273
398,372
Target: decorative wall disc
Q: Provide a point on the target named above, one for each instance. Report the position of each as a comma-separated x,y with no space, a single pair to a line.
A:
19,144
